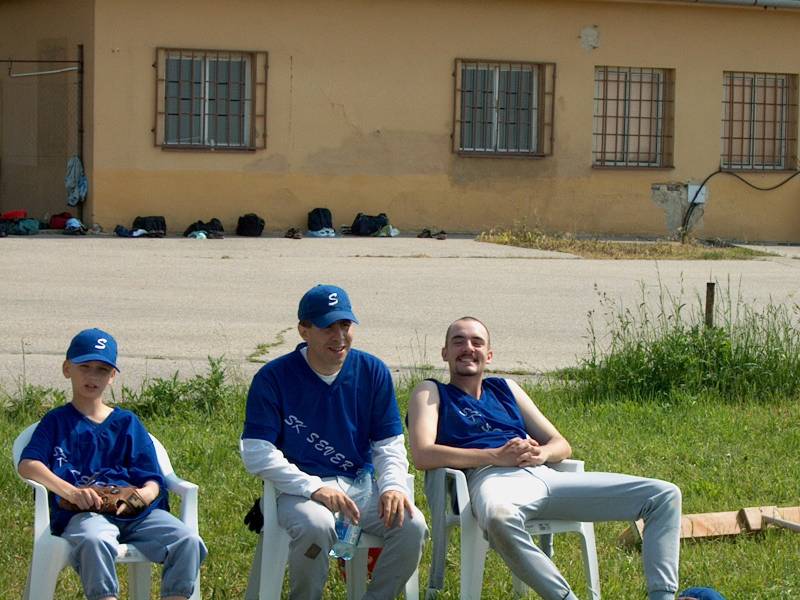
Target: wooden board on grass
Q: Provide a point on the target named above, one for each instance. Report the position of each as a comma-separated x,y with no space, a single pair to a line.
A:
716,524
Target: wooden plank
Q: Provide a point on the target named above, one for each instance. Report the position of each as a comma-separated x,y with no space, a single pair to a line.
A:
710,524
783,523
756,518
752,518
692,526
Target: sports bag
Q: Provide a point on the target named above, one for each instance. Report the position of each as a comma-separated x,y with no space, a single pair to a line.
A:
151,224
250,225
213,226
368,224
59,221
320,218
25,227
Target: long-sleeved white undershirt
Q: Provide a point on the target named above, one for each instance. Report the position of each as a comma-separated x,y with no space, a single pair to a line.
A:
264,459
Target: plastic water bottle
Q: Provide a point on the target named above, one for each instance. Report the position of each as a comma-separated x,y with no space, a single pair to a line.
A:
347,532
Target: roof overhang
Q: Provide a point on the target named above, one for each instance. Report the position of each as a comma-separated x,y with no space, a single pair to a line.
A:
785,4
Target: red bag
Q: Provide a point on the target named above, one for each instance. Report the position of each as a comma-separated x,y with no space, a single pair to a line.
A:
372,558
59,221
14,215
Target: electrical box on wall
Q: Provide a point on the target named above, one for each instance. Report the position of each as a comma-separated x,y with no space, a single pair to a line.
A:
699,198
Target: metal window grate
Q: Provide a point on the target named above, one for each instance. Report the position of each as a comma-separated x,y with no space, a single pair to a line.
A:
503,108
210,99
759,121
633,117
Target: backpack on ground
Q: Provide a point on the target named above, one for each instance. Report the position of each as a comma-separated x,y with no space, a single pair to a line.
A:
320,218
59,221
250,225
152,224
25,227
368,224
213,226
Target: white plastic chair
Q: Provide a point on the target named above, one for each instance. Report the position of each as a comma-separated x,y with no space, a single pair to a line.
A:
266,573
51,553
449,502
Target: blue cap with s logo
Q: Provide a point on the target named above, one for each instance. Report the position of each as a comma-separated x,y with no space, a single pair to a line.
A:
323,305
93,344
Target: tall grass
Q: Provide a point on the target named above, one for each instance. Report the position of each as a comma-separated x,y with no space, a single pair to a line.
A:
662,349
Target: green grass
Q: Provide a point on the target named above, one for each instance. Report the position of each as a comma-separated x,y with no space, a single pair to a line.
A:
723,456
712,410
524,237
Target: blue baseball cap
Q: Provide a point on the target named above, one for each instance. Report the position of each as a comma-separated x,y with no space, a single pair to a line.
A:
700,593
323,305
93,344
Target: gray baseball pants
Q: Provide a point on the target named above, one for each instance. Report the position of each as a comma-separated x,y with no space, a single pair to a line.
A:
310,526
504,498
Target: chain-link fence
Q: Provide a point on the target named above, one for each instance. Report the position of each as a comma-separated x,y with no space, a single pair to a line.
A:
40,130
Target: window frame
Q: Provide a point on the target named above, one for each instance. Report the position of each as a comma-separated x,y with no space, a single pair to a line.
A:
543,107
254,132
664,103
785,128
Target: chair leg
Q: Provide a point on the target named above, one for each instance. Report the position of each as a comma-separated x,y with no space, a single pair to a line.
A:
266,572
473,558
139,580
254,577
590,566
355,571
546,544
46,563
196,593
412,586
436,493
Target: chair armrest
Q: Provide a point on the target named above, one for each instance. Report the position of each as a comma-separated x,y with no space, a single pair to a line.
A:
568,465
462,491
41,510
188,494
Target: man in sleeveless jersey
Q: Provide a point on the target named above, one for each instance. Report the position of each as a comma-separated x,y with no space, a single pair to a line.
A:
490,428
314,417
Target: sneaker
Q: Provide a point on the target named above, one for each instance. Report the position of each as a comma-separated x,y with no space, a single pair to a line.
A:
294,234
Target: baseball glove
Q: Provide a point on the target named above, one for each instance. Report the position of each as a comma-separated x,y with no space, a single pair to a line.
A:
112,497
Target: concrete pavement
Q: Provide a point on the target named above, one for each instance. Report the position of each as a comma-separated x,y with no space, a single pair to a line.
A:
173,302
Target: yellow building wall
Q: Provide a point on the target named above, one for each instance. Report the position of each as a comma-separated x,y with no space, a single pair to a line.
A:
38,115
360,113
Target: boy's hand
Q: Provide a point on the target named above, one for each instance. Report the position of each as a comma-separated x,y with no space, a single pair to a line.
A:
84,498
149,492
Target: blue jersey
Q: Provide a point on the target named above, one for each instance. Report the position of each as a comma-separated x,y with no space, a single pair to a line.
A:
117,451
325,430
486,422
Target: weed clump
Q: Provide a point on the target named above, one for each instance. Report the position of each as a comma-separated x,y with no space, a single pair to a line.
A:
202,394
665,351
588,247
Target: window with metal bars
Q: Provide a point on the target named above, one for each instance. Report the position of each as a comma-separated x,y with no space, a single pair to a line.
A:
503,108
633,117
210,99
759,121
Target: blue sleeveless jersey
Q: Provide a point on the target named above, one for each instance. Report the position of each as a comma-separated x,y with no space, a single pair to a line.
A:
487,422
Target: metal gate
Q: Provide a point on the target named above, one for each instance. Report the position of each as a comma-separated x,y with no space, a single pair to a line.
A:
41,128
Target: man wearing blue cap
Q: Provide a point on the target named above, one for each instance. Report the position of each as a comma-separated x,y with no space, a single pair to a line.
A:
86,446
314,417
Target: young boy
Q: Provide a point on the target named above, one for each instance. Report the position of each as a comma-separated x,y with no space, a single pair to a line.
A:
86,444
